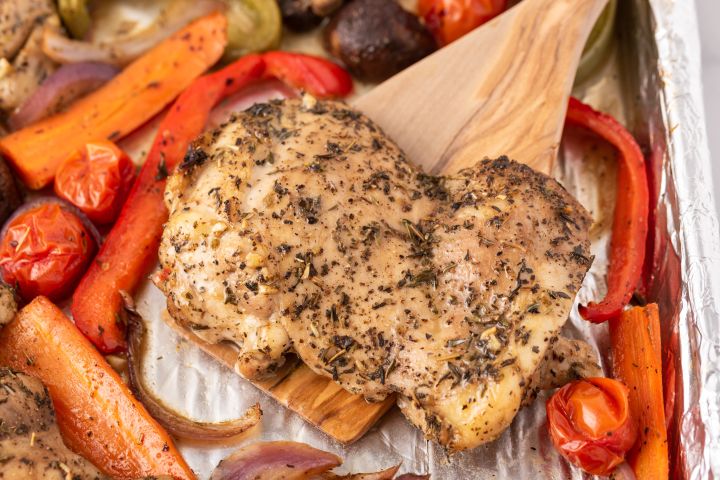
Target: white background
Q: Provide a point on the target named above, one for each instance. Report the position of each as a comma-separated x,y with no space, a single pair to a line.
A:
709,20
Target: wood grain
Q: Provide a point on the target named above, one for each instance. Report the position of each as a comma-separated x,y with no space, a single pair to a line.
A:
500,90
319,400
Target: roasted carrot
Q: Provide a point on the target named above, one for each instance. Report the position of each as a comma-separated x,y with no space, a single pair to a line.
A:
97,415
139,92
635,340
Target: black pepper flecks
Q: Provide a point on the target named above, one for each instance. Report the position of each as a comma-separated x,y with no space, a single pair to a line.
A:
384,278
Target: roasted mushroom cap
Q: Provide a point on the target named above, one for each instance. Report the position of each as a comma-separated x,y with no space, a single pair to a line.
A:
298,15
304,15
376,39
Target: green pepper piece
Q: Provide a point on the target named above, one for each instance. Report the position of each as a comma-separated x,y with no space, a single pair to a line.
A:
253,26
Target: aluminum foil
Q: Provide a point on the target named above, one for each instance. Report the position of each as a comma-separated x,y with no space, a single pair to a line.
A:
651,83
691,229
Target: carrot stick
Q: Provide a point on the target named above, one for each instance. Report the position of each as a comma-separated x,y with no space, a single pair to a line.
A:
139,92
635,340
97,415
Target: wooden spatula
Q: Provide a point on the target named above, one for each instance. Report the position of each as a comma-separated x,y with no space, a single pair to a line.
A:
502,89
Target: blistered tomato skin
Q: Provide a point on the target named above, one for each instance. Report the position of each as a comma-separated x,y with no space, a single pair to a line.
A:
449,20
44,251
590,424
96,180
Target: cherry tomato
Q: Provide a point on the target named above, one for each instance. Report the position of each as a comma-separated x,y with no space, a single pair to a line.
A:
96,180
44,251
590,424
449,20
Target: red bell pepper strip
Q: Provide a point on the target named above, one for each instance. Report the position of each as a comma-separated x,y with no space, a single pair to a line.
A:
630,221
314,75
130,249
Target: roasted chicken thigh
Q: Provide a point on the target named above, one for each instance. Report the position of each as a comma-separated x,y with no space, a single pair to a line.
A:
31,447
298,226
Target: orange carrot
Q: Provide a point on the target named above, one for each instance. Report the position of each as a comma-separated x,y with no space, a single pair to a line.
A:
139,92
635,340
97,415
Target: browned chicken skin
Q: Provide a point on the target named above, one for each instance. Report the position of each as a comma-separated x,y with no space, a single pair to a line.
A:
30,444
299,226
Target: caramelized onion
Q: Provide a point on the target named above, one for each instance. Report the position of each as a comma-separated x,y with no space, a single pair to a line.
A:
124,49
273,460
176,424
66,84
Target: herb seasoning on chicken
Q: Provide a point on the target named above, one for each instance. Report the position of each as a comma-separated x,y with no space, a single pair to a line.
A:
30,443
299,226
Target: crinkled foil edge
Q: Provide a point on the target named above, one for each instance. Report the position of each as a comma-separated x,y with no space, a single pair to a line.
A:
695,237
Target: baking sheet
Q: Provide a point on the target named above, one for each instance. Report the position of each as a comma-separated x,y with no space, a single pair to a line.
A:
650,84
690,226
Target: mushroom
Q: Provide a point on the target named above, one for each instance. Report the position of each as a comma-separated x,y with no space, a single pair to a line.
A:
298,15
303,15
376,39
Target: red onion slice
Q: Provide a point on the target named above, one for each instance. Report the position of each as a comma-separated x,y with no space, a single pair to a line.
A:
274,460
36,202
124,49
173,422
292,461
68,83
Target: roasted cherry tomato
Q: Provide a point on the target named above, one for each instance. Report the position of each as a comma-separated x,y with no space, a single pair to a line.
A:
590,424
96,180
44,251
449,20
